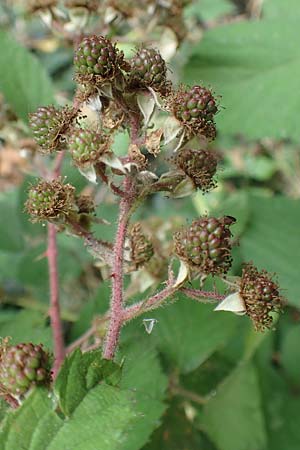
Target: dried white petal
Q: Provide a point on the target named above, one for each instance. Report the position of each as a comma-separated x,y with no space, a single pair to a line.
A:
171,130
168,44
146,105
182,274
233,303
89,173
113,161
94,103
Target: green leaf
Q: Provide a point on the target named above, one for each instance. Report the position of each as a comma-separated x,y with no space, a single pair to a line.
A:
24,82
80,373
281,406
99,421
11,238
27,326
233,417
259,87
19,426
189,332
290,358
272,240
143,375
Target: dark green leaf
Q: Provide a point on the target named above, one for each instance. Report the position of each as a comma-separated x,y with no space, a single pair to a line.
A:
80,372
100,421
188,332
27,326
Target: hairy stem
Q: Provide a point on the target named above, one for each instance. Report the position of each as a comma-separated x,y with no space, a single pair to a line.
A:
149,304
202,296
56,324
116,308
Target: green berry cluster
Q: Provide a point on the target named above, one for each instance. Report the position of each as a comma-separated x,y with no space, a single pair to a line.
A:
49,126
86,146
23,366
206,245
50,200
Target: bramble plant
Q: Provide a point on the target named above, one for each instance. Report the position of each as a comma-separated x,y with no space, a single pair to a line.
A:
89,393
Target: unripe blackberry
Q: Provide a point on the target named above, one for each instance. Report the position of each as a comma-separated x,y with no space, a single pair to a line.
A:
97,56
23,366
261,296
206,245
87,146
50,200
195,109
199,165
148,69
48,125
141,249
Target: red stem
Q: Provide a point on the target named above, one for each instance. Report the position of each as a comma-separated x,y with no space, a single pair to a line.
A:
197,294
56,324
153,302
116,308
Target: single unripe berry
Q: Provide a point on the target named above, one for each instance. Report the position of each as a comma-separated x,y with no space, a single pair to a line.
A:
199,165
96,55
22,367
87,146
206,245
148,69
141,249
50,200
49,125
195,109
261,296
45,124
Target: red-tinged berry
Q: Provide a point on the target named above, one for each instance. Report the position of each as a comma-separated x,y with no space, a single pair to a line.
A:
96,56
206,245
148,69
195,109
17,376
199,165
261,295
